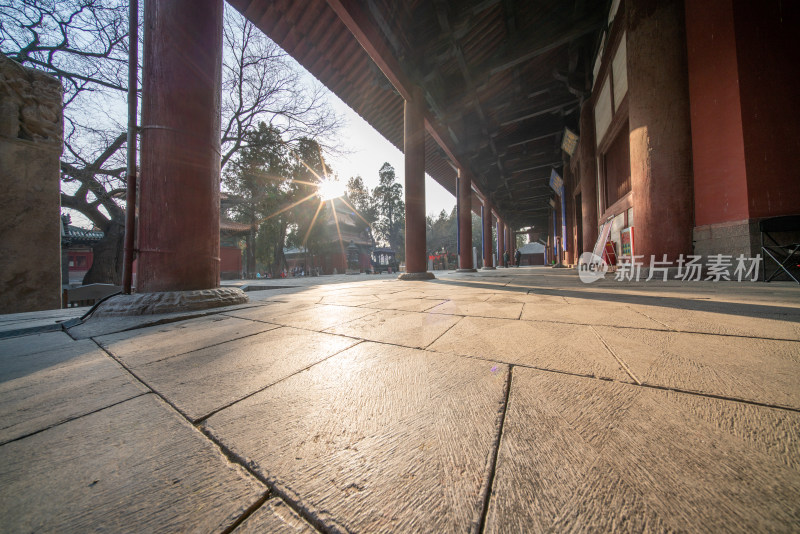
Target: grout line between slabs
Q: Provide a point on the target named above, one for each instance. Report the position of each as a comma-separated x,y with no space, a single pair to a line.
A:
250,511
234,458
443,333
668,327
609,379
217,344
292,501
217,410
73,418
488,485
616,357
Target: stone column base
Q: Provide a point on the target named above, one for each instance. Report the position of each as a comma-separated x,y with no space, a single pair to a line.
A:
730,238
170,302
466,270
416,276
488,269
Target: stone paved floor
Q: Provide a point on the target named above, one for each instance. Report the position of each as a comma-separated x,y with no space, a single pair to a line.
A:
519,400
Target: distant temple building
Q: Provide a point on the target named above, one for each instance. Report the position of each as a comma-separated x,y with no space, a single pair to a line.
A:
331,254
230,255
76,251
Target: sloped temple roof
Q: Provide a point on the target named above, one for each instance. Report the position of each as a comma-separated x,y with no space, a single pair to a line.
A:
501,79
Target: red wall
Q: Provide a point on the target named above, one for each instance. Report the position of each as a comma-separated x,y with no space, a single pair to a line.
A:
743,86
768,49
720,180
72,256
230,259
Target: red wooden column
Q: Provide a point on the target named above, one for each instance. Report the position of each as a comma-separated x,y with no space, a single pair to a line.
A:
414,149
509,242
588,178
464,199
486,221
660,133
501,241
179,199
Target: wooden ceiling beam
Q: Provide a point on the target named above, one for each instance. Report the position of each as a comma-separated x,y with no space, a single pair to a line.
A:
523,115
520,52
364,30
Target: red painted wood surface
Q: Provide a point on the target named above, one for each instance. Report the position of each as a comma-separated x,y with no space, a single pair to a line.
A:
414,149
179,200
487,234
465,221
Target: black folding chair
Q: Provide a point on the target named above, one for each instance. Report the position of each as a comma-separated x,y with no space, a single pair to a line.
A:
786,253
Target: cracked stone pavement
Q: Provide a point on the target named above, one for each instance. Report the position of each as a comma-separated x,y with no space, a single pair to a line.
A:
519,400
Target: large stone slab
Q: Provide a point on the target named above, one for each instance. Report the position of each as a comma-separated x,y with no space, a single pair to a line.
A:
562,347
730,319
321,316
595,456
404,304
47,388
146,345
588,311
499,310
378,438
134,467
13,366
274,517
348,299
513,296
760,370
401,328
22,324
199,382
446,293
31,344
275,308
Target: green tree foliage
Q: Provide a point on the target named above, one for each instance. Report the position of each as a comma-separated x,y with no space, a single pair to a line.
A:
309,213
388,195
259,181
441,235
476,234
360,197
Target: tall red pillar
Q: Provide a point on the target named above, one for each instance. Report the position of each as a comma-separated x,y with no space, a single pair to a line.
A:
660,135
588,178
464,200
179,195
570,255
486,221
501,241
414,149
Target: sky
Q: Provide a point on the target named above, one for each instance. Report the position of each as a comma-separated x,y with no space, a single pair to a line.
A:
366,151
363,149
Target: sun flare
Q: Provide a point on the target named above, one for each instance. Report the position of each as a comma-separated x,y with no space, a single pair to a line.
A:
330,188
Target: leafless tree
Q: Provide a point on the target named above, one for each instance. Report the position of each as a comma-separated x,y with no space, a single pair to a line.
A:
260,83
85,44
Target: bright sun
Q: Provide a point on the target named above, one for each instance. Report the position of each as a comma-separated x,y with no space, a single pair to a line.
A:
330,188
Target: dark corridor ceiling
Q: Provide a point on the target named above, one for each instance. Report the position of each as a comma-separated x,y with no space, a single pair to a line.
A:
501,79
